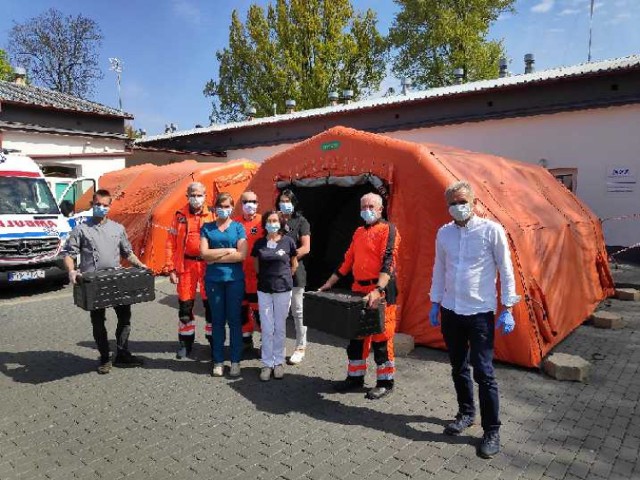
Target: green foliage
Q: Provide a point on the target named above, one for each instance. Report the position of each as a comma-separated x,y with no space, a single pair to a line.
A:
58,52
298,49
434,37
6,72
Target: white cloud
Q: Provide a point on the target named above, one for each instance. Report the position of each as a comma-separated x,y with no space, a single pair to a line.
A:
543,7
187,10
569,11
619,18
556,30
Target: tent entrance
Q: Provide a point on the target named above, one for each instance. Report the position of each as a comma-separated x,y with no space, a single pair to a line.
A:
332,207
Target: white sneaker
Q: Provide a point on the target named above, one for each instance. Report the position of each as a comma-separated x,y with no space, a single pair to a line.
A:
235,370
265,374
218,370
297,356
278,372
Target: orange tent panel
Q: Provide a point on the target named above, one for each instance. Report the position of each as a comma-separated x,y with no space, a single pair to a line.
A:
557,244
146,198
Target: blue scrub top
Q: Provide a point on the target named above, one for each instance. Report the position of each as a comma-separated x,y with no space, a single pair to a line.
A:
223,272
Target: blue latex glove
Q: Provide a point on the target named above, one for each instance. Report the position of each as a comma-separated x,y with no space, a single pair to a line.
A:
433,315
506,322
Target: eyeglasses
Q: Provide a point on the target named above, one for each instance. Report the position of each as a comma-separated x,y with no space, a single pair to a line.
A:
249,201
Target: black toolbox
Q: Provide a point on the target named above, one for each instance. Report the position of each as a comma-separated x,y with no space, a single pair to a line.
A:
113,287
342,313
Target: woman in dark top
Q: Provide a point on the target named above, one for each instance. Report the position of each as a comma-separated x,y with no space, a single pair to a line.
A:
298,228
275,262
223,245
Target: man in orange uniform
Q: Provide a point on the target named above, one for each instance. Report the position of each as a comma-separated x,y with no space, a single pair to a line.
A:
251,220
186,268
371,258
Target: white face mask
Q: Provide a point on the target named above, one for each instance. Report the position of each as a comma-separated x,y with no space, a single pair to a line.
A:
196,201
250,208
461,212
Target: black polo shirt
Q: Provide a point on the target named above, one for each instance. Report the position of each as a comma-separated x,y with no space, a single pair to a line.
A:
296,227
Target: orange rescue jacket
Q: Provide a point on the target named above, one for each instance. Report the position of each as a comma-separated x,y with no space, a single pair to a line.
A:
184,237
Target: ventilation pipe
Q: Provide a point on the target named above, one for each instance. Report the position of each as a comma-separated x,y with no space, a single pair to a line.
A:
503,68
347,95
458,75
20,76
334,98
406,85
250,113
290,105
529,60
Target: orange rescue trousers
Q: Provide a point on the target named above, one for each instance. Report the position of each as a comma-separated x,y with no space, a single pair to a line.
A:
189,282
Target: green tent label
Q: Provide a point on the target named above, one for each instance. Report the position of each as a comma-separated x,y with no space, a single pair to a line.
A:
330,146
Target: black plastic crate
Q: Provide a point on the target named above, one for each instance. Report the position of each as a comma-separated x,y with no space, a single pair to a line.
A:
342,313
113,287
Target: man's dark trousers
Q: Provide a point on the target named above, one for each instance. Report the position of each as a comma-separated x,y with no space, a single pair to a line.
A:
98,319
469,339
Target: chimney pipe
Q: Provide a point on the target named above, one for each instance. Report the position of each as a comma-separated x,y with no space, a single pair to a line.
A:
458,73
20,76
250,112
334,98
406,85
503,68
290,105
347,95
529,60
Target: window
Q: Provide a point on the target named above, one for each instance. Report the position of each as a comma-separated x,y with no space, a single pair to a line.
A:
566,176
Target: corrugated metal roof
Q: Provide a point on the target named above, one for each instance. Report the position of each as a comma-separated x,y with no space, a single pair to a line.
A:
41,97
584,69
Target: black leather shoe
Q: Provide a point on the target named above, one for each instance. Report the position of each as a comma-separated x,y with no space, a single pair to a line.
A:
350,384
378,392
490,445
459,425
126,360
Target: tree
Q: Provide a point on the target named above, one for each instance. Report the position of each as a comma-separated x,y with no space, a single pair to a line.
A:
58,52
6,72
434,37
302,50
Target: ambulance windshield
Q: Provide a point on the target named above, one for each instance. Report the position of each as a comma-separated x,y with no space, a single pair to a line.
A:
26,196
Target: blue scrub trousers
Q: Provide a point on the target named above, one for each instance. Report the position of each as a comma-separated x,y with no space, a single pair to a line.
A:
225,302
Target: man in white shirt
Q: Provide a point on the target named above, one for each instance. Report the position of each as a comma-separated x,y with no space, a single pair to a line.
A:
470,251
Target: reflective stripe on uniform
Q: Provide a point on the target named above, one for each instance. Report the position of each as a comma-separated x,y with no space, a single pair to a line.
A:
385,371
187,328
357,368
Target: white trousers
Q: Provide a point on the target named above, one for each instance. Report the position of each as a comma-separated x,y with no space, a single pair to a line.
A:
274,308
297,301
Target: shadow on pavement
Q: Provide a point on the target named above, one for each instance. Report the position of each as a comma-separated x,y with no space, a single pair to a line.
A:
37,367
32,289
314,397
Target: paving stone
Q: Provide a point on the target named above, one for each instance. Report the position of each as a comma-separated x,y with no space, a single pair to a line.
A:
607,320
403,344
628,294
563,366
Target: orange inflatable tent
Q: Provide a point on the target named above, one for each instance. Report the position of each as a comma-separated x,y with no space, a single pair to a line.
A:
146,197
557,244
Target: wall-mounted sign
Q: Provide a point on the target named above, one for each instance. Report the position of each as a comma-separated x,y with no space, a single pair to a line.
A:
621,180
330,146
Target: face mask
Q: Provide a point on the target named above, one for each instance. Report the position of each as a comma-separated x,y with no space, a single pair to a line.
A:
249,208
100,211
223,213
286,208
273,227
196,202
460,213
369,216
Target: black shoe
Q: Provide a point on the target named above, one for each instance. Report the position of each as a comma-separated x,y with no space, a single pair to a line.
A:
378,392
126,360
459,425
350,384
490,445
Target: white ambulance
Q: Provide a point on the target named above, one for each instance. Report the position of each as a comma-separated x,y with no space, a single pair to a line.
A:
32,228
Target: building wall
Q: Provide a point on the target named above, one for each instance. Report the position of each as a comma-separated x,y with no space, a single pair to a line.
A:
593,141
93,166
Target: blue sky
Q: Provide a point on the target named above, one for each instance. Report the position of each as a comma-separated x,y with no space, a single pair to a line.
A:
168,46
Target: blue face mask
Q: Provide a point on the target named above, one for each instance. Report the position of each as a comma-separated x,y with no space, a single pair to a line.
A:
272,227
286,208
223,213
100,211
369,216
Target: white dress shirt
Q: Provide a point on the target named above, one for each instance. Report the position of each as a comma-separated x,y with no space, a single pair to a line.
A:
467,261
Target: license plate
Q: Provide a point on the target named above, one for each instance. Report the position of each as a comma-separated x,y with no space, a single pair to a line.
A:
26,275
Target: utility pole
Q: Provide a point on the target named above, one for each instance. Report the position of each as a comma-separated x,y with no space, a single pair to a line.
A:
116,66
590,30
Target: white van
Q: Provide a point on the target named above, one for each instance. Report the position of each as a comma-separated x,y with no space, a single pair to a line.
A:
32,227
